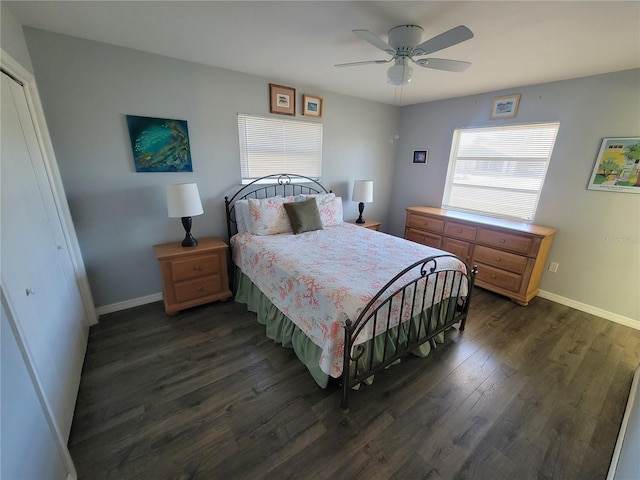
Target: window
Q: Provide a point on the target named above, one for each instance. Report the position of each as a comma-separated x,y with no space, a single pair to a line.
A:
272,145
499,171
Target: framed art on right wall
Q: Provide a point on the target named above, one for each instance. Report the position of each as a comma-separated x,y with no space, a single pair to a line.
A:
617,167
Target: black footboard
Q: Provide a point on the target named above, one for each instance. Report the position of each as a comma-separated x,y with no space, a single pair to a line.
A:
419,303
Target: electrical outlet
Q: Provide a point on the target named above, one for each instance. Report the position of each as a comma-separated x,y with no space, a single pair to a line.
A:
553,267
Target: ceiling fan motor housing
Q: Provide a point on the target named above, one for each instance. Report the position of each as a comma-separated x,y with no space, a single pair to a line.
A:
404,38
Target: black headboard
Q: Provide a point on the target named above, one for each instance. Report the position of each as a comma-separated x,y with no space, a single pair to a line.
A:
281,184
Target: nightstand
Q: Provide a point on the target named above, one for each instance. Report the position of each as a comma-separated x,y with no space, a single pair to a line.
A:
193,275
370,224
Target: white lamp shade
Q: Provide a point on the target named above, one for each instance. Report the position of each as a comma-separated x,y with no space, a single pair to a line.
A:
363,191
183,200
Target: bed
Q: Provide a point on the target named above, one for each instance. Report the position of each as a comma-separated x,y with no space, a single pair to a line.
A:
350,301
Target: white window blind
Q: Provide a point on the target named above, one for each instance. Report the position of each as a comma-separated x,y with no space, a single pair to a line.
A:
499,171
272,145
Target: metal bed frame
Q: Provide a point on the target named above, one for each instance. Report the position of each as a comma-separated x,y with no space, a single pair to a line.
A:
407,290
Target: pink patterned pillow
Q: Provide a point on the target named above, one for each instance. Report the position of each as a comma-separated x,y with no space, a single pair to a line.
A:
268,215
330,209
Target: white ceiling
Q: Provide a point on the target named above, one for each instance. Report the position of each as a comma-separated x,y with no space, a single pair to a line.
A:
297,43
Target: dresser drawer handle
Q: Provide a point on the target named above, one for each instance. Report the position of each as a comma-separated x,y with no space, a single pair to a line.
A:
459,230
197,268
498,259
493,275
200,288
502,240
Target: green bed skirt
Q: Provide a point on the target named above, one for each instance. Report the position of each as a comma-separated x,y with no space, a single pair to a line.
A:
279,328
283,331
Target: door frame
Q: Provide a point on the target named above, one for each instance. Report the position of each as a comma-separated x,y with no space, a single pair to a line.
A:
36,112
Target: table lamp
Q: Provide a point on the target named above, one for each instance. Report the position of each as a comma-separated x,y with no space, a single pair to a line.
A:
183,200
363,193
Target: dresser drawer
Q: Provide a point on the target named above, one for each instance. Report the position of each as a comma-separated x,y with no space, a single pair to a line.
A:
425,223
498,278
460,230
194,267
506,241
459,248
498,258
424,238
198,288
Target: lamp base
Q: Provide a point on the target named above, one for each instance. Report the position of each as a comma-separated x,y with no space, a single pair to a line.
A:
360,209
189,240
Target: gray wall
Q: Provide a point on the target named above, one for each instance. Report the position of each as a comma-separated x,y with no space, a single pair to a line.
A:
598,239
12,39
87,88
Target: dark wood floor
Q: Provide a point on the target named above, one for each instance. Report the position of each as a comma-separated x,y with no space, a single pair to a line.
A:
525,392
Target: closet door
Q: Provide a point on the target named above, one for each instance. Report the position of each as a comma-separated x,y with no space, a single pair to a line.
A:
29,446
37,271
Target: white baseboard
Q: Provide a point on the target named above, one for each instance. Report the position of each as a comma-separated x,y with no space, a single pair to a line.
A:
598,312
134,302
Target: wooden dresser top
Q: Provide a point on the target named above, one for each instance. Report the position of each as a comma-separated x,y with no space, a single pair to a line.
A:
482,220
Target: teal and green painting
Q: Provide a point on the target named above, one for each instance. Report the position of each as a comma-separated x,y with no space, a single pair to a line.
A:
159,144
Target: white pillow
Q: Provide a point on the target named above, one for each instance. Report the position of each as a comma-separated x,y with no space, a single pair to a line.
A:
243,219
318,196
330,210
268,216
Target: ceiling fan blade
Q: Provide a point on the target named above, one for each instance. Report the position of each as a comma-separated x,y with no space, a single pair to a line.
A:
353,64
374,40
443,64
444,40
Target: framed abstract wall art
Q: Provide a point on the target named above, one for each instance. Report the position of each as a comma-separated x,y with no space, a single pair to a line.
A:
617,167
159,144
282,99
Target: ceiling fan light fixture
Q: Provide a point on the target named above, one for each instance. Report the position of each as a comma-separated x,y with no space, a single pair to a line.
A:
399,74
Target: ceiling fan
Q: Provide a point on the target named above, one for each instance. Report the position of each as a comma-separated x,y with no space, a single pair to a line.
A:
404,44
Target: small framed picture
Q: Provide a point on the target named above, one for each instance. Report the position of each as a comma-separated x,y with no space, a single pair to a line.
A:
282,99
505,107
420,156
312,106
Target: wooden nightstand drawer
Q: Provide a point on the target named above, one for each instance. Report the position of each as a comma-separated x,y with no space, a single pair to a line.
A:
500,259
460,230
506,241
194,267
498,278
425,223
195,275
198,288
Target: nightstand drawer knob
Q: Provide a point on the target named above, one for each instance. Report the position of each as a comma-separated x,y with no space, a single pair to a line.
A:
197,268
200,288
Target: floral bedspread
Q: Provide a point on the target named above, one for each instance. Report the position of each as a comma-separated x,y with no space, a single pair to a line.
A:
319,279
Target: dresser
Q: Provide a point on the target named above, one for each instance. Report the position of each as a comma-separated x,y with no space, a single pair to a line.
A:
193,275
510,256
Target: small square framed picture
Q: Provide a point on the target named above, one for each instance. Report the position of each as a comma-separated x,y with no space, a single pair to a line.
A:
282,99
420,156
505,107
312,106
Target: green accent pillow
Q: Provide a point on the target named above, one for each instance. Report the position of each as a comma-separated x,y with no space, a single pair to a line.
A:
304,216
